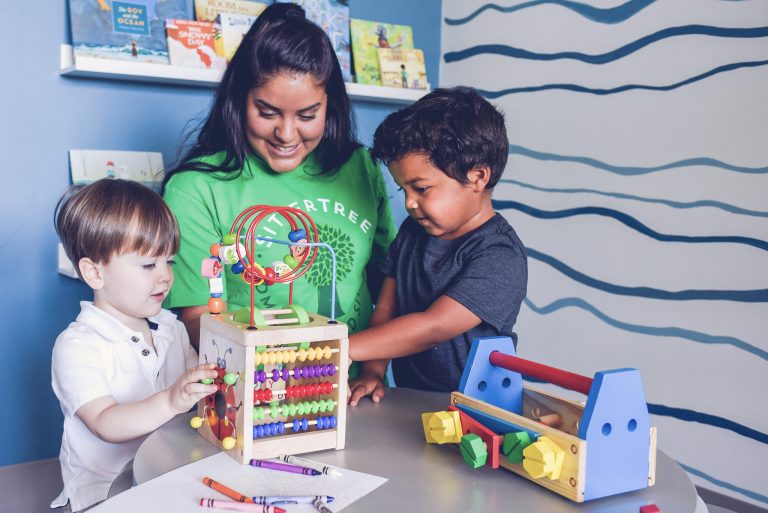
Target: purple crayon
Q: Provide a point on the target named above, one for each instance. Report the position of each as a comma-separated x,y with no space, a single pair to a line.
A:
273,465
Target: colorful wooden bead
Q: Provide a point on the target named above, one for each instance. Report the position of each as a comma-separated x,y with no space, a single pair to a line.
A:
249,276
238,267
216,305
207,381
228,443
214,250
230,378
269,276
210,267
290,261
298,251
297,235
229,239
228,254
216,285
281,268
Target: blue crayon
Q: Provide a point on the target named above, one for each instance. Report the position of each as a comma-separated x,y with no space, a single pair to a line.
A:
290,499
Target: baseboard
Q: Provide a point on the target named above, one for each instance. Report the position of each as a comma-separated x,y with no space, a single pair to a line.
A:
728,502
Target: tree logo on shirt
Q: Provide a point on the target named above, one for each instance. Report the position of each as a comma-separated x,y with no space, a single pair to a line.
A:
320,274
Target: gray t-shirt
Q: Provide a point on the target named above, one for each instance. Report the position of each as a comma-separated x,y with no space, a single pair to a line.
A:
485,270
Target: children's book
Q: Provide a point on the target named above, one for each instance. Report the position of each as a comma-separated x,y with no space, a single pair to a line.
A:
233,28
401,67
193,44
333,17
367,36
208,10
125,30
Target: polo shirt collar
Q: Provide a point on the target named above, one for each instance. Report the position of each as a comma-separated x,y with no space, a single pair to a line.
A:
110,328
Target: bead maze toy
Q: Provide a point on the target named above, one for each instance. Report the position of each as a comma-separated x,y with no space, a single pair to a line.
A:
581,451
282,373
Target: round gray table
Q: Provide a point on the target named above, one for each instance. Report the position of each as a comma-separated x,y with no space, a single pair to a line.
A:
387,439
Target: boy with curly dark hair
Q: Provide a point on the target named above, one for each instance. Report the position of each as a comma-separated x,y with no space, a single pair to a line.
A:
456,270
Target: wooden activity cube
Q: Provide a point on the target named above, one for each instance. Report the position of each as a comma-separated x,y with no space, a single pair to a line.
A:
282,389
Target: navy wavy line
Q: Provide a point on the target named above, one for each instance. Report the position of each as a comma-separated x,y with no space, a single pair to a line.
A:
609,15
742,296
629,221
670,332
724,484
635,170
619,53
629,87
708,419
670,203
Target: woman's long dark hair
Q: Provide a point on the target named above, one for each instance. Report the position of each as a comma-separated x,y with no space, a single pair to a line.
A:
281,40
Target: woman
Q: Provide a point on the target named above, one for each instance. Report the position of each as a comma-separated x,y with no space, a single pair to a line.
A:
280,132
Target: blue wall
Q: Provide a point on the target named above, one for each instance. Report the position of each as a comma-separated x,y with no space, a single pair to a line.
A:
43,116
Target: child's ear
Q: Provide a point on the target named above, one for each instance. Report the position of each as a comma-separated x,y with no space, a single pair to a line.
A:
91,273
478,177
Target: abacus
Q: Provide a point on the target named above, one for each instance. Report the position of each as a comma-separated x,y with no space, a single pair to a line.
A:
282,373
582,451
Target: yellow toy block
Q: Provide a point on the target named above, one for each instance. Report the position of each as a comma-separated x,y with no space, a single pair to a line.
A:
442,427
543,458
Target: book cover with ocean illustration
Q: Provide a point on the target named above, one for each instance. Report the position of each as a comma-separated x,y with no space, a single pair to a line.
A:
123,30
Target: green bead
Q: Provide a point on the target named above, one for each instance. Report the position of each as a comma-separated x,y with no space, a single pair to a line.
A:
292,263
329,405
315,406
292,409
273,411
322,406
229,238
207,381
258,413
230,378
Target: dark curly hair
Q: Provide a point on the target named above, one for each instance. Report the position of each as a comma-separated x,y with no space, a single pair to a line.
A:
456,128
281,40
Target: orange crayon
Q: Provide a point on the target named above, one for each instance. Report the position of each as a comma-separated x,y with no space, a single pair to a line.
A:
229,492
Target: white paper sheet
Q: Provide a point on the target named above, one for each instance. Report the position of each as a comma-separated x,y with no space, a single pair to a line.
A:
181,490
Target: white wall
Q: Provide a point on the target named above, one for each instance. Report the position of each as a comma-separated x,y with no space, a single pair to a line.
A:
638,180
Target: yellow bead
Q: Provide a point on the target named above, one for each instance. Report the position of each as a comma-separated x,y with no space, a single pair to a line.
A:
311,354
291,356
327,352
196,422
257,359
228,443
302,355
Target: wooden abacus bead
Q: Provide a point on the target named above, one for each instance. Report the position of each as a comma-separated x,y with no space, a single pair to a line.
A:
301,355
259,376
291,356
210,267
258,413
327,352
216,305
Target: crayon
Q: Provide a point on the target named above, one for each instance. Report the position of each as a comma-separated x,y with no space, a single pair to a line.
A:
273,465
329,471
229,492
321,506
239,506
290,499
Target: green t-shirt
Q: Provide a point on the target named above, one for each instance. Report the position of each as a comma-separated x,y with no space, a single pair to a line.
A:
351,211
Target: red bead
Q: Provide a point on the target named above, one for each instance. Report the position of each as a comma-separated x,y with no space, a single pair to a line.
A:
269,276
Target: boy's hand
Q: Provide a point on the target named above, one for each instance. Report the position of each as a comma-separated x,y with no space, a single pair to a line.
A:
368,383
188,390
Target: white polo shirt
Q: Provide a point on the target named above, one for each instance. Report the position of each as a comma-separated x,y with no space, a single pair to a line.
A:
98,356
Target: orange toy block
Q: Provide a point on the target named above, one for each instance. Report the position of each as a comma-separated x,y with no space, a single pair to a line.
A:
491,439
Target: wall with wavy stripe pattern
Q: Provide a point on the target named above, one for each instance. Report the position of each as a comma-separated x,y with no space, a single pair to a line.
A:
638,180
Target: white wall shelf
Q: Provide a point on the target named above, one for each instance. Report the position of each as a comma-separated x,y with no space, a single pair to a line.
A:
92,67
